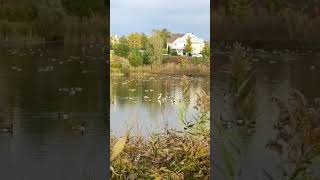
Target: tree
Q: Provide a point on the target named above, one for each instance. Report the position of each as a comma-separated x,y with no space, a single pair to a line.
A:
146,57
188,46
84,8
48,23
156,48
164,34
274,6
135,58
240,7
206,50
144,41
134,41
80,8
122,48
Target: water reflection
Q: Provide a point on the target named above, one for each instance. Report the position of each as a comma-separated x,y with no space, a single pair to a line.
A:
151,102
43,145
275,76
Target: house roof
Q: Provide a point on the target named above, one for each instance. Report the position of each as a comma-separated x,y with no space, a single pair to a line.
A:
174,36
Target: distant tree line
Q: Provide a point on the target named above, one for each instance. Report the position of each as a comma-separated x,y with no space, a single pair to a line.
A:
49,19
232,7
142,50
266,20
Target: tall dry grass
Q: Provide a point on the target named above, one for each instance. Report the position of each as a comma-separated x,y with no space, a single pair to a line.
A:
188,69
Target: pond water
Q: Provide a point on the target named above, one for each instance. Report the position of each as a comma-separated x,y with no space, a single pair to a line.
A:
276,74
46,92
134,102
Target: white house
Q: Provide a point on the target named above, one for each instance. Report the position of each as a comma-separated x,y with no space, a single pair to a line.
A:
177,42
114,39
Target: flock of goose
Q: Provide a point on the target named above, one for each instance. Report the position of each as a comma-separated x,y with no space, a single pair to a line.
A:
148,94
51,66
79,127
44,53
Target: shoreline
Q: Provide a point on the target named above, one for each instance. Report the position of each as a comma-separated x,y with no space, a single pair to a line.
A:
269,45
169,69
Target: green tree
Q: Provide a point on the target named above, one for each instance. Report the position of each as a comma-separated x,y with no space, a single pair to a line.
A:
146,57
135,58
164,34
122,48
188,47
144,41
134,41
206,50
156,48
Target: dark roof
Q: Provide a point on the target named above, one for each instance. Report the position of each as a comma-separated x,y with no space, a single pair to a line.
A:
173,37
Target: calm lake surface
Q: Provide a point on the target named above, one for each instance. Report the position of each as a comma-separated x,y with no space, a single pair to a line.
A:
276,74
37,82
134,102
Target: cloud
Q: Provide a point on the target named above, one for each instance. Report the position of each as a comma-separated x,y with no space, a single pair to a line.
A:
144,15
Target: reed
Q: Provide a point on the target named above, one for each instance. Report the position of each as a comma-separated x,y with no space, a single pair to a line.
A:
171,154
242,86
297,140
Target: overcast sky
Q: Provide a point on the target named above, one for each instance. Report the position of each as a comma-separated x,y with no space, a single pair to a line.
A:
144,15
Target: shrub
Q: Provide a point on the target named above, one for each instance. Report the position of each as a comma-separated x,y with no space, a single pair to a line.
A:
200,60
173,53
48,24
146,57
135,58
122,48
119,64
184,62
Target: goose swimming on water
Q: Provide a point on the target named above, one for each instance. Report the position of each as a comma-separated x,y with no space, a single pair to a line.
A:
80,128
8,129
63,116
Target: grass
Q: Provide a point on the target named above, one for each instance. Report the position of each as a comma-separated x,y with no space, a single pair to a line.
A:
171,154
120,66
172,69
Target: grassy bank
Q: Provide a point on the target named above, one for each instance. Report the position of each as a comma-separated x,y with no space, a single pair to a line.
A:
171,154
171,69
189,67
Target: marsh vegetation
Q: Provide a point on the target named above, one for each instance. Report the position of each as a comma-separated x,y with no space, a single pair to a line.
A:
282,131
267,21
169,154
